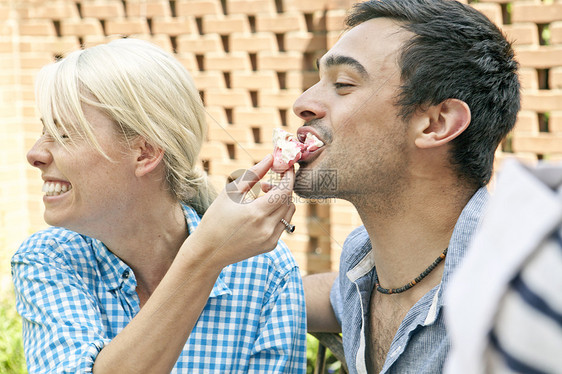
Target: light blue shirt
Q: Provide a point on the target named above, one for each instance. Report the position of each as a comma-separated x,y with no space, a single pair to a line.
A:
420,344
75,296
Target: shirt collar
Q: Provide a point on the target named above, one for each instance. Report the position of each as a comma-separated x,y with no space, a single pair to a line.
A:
462,233
117,274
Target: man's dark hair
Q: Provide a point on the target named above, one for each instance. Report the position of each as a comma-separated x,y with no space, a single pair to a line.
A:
456,52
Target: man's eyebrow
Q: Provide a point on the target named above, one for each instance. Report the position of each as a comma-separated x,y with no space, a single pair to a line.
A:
335,60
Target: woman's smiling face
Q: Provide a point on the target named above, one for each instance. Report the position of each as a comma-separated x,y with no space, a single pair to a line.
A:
83,188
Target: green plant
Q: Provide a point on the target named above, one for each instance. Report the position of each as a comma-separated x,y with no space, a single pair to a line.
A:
12,359
332,364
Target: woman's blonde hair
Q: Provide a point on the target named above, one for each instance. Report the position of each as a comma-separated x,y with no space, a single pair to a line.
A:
147,92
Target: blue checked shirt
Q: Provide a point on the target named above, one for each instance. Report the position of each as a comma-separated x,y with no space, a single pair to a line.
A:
421,344
75,296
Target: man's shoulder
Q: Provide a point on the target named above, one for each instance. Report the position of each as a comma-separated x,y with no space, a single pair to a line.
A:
356,246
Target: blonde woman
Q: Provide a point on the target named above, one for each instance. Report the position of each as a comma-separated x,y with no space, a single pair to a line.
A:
129,278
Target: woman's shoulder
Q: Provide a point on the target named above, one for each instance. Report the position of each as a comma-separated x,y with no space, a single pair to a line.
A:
279,261
54,242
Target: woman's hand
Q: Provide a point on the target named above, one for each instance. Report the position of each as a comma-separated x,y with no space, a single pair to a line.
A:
233,230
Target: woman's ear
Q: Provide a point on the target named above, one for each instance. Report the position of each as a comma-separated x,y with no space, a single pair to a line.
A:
148,156
443,123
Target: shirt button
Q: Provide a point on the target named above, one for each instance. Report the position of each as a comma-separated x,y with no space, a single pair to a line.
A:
126,274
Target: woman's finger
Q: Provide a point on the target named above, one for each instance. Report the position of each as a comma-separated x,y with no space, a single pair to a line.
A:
254,174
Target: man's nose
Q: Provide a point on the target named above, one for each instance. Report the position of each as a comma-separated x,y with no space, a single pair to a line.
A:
309,106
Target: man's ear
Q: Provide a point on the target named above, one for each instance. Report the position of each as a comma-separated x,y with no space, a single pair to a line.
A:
442,123
148,156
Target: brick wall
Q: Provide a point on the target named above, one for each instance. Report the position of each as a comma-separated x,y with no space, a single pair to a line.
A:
250,60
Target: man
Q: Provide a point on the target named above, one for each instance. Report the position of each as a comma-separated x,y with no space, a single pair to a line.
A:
412,103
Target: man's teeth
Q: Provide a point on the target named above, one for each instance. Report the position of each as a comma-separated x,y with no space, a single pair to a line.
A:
56,188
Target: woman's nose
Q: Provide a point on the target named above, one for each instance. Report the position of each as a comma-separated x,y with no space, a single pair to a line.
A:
39,155
308,105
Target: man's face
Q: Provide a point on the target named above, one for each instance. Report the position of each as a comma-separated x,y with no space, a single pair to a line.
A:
352,110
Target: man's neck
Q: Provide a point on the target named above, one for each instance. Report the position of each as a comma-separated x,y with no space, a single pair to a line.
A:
409,237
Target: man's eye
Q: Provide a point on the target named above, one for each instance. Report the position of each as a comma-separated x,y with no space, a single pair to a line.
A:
338,85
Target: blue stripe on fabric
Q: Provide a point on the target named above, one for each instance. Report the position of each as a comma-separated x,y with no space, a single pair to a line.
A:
512,362
535,300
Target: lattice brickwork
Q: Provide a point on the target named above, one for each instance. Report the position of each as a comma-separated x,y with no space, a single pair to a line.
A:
250,60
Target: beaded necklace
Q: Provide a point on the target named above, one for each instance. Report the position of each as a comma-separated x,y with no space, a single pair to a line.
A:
411,284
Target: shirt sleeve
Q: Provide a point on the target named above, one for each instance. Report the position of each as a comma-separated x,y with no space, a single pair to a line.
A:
62,327
281,344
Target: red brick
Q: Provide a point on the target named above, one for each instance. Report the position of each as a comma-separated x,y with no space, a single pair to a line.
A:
228,98
128,26
51,46
280,22
8,28
335,20
5,12
301,79
225,24
216,116
555,77
53,10
161,40
254,80
258,151
93,40
37,27
227,61
188,60
527,123
304,41
492,11
227,167
213,150
199,44
208,79
230,134
305,6
542,101
148,8
332,37
536,12
102,10
250,6
283,99
266,132
253,42
81,27
542,143
529,78
522,33
556,32
540,58
198,8
248,116
282,61
174,26
555,122
34,61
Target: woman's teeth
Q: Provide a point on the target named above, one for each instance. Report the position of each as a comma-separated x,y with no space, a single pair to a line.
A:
56,188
